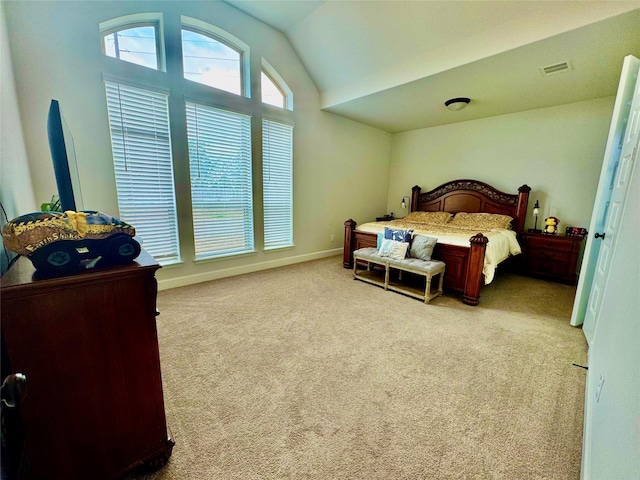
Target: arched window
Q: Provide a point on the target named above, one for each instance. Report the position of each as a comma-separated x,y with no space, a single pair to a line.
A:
220,137
210,61
275,90
134,39
271,93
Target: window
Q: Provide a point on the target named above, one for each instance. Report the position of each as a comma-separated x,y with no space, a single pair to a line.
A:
212,82
134,44
271,93
275,90
211,62
141,145
277,180
221,185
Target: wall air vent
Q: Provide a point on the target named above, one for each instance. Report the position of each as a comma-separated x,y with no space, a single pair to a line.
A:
555,68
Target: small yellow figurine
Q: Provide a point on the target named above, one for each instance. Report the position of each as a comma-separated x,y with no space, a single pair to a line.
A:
551,225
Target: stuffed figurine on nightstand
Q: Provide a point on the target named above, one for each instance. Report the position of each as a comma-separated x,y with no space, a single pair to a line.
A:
551,225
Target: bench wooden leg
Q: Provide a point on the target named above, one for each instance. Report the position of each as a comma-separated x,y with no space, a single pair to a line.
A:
386,276
427,293
427,290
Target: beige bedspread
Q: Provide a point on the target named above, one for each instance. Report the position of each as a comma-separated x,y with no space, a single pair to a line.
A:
502,242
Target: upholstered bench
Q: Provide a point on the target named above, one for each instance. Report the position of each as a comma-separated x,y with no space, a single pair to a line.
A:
385,279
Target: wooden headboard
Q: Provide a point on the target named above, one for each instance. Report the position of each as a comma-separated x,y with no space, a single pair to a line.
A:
474,197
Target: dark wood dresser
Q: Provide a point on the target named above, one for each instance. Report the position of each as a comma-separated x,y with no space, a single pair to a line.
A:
88,346
551,256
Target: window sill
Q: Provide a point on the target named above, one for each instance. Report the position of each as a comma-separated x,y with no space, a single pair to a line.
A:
172,264
228,256
278,249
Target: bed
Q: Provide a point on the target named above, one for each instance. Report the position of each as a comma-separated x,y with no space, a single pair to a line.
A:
470,263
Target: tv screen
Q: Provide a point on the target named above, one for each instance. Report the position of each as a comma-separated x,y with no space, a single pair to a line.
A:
63,155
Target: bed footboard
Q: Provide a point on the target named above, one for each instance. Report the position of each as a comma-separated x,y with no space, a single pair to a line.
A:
464,265
473,282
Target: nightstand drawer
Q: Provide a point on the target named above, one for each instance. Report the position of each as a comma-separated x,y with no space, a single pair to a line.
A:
547,267
557,243
556,255
548,263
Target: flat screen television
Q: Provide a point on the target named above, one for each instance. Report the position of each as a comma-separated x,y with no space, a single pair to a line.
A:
63,155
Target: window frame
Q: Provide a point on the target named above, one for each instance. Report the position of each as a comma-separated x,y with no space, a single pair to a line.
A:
135,21
226,44
150,90
185,91
250,222
291,242
226,38
279,82
278,87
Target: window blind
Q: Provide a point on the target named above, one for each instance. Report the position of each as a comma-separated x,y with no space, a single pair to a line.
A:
221,190
277,179
141,144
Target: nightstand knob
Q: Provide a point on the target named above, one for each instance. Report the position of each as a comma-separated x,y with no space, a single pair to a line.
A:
600,235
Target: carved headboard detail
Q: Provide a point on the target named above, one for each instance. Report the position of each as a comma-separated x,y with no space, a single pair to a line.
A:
473,196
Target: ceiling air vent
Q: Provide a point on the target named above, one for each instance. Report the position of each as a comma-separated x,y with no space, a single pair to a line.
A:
555,68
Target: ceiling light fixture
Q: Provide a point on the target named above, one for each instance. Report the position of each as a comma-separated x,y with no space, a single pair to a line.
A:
456,104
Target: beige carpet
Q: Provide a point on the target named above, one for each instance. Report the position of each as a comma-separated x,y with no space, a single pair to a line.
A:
304,373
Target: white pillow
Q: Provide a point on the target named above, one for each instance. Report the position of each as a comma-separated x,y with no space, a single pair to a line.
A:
393,249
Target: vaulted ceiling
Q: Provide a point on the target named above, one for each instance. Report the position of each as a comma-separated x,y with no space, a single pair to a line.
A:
393,64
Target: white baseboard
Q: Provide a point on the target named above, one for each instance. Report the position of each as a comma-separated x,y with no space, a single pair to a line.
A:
255,267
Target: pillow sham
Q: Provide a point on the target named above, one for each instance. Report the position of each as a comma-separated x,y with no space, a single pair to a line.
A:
481,220
393,249
397,235
434,218
422,247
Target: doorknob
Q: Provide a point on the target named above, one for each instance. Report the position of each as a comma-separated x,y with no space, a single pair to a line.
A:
14,389
600,235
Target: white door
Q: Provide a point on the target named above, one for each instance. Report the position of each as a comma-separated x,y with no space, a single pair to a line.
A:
587,300
608,235
611,440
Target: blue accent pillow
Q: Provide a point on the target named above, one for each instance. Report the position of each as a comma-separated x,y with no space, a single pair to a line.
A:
380,239
398,235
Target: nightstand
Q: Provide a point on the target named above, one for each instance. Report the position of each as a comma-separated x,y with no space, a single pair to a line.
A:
552,256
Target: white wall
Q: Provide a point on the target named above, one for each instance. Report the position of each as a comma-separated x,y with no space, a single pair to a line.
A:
16,190
557,151
341,167
15,180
